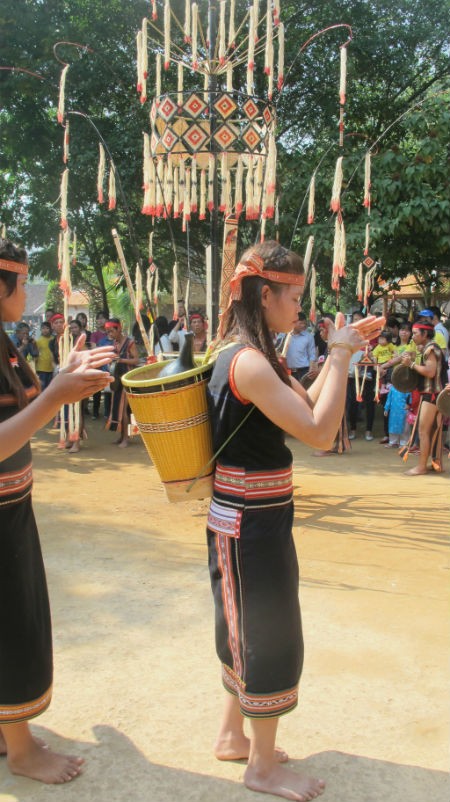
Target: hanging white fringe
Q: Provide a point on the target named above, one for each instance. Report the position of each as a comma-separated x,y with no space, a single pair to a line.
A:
249,212
187,21
343,77
180,84
62,94
202,208
268,206
64,190
66,142
359,285
194,203
167,34
60,249
159,187
276,12
101,173
251,51
231,25
139,62
146,161
195,36
366,246
367,170
176,192
238,198
335,203
223,181
144,60
222,34
311,199
211,183
158,77
112,187
187,198
65,280
312,295
168,186
280,55
368,284
74,248
308,254
138,293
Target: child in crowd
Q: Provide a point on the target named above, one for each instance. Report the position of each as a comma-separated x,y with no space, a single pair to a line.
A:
382,354
44,361
395,410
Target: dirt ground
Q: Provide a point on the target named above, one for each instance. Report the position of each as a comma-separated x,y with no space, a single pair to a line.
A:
137,683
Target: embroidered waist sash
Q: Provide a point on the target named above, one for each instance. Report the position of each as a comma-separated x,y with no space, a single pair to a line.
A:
240,488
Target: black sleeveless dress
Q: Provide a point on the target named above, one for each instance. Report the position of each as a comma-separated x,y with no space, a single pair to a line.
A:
252,558
26,663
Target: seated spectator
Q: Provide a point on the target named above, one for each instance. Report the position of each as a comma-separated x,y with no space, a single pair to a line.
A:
161,340
198,326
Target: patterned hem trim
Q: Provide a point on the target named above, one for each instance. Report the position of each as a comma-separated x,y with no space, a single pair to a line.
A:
259,705
16,481
10,714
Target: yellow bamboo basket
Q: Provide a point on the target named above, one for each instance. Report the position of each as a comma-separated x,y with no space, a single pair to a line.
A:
172,416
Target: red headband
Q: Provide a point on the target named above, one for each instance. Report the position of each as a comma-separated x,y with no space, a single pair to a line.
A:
253,266
419,326
56,316
111,325
196,316
14,267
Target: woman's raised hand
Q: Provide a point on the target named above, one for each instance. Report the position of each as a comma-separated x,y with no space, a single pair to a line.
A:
369,327
356,335
80,360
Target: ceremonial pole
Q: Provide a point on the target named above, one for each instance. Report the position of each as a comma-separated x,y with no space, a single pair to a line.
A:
214,216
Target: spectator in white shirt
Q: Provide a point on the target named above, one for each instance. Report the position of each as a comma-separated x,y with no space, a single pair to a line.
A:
301,352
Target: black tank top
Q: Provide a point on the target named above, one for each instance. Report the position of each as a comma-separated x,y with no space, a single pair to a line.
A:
259,443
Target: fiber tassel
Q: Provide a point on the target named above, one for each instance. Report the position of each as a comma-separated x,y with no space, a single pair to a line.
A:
154,11
377,384
3,234
223,181
152,186
180,85
139,61
368,284
187,21
146,177
263,229
74,248
249,215
238,204
342,250
158,78
359,286
255,18
176,192
65,282
357,384
175,291
311,199
229,76
366,246
62,94
231,25
159,187
112,187
335,204
194,205
60,250
202,210
168,186
181,186
145,49
343,76
336,255
166,35
211,183
101,174
66,143
222,34
308,254
276,12
228,194
312,294
251,52
270,181
280,56
187,198
150,257
64,189
341,127
258,185
205,87
195,36
367,167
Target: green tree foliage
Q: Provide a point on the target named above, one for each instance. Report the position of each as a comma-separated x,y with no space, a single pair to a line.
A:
399,57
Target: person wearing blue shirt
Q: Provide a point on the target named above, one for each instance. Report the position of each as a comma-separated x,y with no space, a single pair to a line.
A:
301,352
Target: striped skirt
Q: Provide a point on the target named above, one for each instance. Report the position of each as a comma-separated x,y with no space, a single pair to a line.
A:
254,579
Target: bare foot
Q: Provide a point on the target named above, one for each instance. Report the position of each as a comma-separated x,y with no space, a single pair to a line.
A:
237,747
123,444
40,763
74,449
283,782
416,472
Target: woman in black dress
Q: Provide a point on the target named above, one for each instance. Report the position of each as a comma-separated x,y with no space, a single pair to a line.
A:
252,559
26,666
